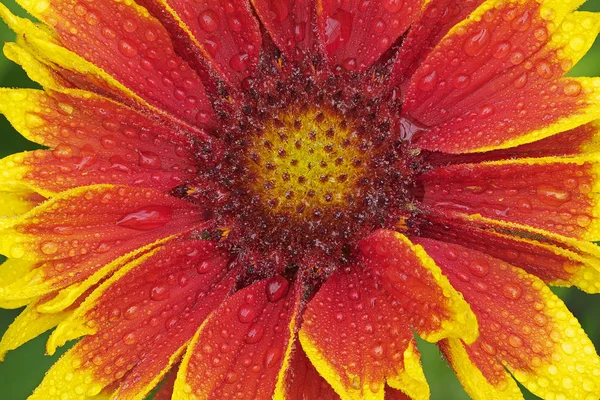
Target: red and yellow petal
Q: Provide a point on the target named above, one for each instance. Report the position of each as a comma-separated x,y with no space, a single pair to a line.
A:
224,34
533,253
432,306
289,22
489,382
525,60
79,236
356,33
36,70
553,194
358,337
522,324
243,349
304,381
93,140
166,293
438,17
116,49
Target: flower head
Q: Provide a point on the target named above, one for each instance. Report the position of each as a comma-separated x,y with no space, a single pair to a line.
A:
267,199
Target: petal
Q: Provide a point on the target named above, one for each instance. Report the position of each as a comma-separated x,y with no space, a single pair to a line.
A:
225,34
166,388
15,203
243,349
552,263
81,234
482,377
349,31
438,17
411,276
304,382
93,140
577,141
29,324
128,52
36,70
523,325
358,338
511,66
289,22
554,194
145,309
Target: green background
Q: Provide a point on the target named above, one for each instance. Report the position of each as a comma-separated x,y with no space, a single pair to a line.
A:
24,368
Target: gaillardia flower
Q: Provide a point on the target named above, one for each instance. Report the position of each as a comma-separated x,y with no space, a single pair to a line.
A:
267,199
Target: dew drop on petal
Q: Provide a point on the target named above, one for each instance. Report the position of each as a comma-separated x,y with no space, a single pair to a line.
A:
393,6
255,333
476,43
49,247
272,356
277,288
246,313
160,292
208,20
127,48
147,218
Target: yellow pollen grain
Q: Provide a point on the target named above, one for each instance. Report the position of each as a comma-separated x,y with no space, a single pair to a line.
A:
307,161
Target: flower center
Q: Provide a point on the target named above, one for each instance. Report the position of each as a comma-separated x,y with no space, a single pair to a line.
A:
308,163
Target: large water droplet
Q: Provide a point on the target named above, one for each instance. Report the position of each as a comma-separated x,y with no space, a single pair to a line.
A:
476,44
277,288
160,292
209,20
246,313
147,218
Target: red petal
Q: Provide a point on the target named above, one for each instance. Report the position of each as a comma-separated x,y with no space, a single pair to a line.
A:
509,63
556,195
289,22
132,47
437,19
522,325
243,348
356,34
304,382
149,309
358,338
551,263
166,388
224,33
81,233
95,140
432,306
580,140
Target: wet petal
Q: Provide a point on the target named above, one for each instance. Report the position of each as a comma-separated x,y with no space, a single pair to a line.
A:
482,376
553,194
166,293
78,236
358,338
94,140
438,17
36,70
432,306
523,325
118,49
535,254
289,22
243,349
304,382
225,34
357,33
524,59
28,325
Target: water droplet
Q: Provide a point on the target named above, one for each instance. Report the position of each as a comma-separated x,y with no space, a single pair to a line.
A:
255,333
147,218
148,159
208,20
129,339
272,356
277,288
49,248
129,25
393,6
476,43
246,314
552,196
479,268
239,62
127,48
160,292
512,291
515,341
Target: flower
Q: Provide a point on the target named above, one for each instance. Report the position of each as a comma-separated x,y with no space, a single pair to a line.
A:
265,200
